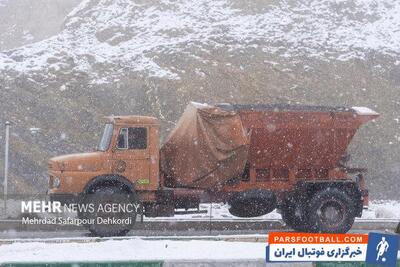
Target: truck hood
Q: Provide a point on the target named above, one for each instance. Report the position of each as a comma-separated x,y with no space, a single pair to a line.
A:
92,161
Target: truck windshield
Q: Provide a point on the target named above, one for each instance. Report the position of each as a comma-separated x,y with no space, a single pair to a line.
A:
106,138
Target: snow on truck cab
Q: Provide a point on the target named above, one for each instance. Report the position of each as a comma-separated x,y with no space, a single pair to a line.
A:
256,158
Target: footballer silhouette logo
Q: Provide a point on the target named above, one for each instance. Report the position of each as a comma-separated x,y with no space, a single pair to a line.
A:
381,249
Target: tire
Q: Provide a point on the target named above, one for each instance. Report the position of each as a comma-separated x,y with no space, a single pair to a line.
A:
293,215
331,211
252,203
100,197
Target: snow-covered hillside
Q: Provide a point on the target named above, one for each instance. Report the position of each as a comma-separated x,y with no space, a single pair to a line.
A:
24,22
133,34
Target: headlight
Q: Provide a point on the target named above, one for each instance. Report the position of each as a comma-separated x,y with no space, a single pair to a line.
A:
56,182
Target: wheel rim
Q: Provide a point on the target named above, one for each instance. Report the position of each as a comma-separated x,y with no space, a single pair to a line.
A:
331,213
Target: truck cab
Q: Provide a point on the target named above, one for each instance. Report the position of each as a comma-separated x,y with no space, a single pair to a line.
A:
127,155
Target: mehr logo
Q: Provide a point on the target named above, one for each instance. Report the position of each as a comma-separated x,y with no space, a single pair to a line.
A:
382,249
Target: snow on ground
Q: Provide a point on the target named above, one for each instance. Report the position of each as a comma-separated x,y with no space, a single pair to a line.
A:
134,249
134,34
138,249
382,210
389,209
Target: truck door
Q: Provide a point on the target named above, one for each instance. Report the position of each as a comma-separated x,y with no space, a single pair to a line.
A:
131,158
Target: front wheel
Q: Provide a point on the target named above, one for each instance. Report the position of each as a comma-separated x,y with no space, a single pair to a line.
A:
331,211
109,211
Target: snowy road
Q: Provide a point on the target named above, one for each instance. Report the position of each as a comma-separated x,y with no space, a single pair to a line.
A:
382,216
188,229
239,247
133,249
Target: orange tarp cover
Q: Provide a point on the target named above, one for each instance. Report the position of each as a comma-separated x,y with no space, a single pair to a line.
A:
208,147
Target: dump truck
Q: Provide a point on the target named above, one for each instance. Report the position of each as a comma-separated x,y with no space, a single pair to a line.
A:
255,158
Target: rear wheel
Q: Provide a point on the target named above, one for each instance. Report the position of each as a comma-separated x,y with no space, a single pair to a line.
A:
331,211
112,211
